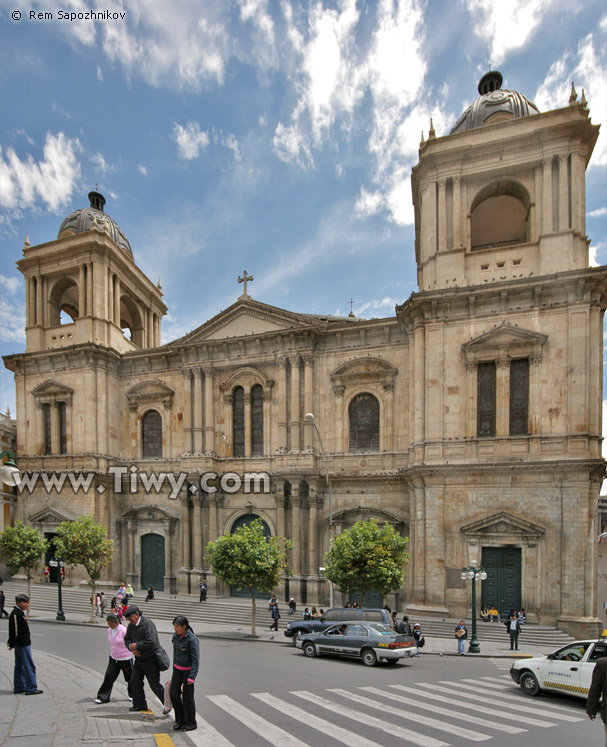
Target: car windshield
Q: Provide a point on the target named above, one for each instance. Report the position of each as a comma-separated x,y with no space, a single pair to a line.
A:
573,652
381,628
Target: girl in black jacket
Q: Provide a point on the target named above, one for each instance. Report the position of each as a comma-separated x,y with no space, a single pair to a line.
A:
186,658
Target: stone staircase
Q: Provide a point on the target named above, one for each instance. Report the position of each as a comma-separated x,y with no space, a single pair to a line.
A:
229,611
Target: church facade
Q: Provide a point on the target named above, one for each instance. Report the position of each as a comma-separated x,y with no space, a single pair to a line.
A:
470,420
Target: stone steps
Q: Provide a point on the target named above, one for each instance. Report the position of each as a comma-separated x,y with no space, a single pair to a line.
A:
75,600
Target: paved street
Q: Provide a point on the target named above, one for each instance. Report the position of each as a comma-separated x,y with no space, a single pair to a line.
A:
254,694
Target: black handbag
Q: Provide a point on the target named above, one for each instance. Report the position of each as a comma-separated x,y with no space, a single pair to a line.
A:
162,659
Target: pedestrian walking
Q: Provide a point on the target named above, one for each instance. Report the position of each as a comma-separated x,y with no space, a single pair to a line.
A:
598,687
403,626
461,633
186,658
274,612
20,641
292,606
120,660
2,603
513,627
419,638
203,591
142,639
150,594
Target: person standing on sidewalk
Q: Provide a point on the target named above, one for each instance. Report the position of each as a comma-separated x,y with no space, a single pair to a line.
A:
203,591
274,612
186,658
20,641
513,627
2,603
461,633
598,686
121,660
419,638
142,639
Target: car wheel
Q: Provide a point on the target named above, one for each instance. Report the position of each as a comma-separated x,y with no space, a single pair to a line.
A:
392,662
369,658
529,684
309,649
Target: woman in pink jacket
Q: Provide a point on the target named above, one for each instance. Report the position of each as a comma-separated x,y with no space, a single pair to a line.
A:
121,660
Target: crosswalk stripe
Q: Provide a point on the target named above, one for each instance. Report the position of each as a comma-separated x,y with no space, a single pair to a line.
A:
265,729
207,735
476,707
443,711
511,693
326,727
513,701
397,731
473,736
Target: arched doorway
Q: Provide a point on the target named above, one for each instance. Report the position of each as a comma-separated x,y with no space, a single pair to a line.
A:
152,562
244,521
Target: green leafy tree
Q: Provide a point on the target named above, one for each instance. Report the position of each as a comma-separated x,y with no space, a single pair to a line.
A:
367,557
248,559
22,547
83,542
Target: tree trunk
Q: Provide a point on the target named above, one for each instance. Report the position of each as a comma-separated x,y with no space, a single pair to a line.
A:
252,590
93,601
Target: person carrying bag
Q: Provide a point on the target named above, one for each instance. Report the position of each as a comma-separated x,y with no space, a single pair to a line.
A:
186,659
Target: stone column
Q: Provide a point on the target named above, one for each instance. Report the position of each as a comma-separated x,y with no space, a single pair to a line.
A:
55,445
457,210
563,192
547,195
578,209
535,402
535,227
281,362
294,360
279,496
197,404
188,446
420,380
388,439
296,581
117,292
228,404
340,445
247,425
90,293
308,399
39,300
267,422
185,533
81,291
213,503
133,424
129,548
209,416
313,502
442,215
502,396
197,550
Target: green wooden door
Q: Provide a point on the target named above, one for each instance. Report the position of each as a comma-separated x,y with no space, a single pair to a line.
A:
373,599
503,584
241,522
152,562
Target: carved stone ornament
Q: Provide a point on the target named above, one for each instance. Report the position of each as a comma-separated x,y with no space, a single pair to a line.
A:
149,393
363,371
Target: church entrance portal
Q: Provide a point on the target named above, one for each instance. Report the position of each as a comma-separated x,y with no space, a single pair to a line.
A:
152,562
503,584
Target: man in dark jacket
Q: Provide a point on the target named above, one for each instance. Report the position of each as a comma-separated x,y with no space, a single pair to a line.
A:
20,641
403,627
142,639
598,686
513,627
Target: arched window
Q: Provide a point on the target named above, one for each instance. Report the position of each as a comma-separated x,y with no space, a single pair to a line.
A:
238,421
257,420
64,301
364,423
499,216
151,432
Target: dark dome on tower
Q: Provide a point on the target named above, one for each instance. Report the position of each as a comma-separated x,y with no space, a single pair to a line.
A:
93,217
494,105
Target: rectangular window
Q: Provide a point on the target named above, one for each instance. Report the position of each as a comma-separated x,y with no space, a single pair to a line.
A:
485,398
46,419
62,428
519,397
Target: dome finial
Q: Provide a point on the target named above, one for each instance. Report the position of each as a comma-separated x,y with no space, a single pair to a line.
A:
572,95
583,101
96,199
26,243
432,132
491,81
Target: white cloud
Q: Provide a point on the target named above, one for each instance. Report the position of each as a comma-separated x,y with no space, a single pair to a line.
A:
101,164
99,74
143,170
593,253
190,140
50,182
12,310
291,146
598,213
506,25
587,68
377,307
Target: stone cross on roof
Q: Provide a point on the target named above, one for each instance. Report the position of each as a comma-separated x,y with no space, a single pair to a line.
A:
245,279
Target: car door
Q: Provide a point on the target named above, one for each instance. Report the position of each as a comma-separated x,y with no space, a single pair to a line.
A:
595,652
354,639
331,640
562,670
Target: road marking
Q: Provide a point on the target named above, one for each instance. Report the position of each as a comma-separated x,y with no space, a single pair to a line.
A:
515,689
206,735
513,701
326,727
444,711
473,736
163,740
265,729
414,737
475,706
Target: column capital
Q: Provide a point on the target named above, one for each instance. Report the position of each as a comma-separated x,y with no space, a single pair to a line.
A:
227,399
197,372
471,366
281,361
338,390
502,362
308,359
208,369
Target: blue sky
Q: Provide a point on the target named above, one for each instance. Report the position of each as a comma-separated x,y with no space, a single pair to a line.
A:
275,136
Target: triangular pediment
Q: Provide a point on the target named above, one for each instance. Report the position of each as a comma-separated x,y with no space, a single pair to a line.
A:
50,388
503,523
505,340
49,515
245,318
362,370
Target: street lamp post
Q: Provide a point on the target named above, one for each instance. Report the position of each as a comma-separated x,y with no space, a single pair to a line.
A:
9,472
309,418
59,564
476,574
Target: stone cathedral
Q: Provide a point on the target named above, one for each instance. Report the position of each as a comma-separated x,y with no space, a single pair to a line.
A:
470,420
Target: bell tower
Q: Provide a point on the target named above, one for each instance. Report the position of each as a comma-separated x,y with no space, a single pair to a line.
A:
503,195
85,287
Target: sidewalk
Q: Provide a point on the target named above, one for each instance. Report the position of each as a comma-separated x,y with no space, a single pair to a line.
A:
66,716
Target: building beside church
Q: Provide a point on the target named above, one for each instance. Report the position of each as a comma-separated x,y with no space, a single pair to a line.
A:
470,420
